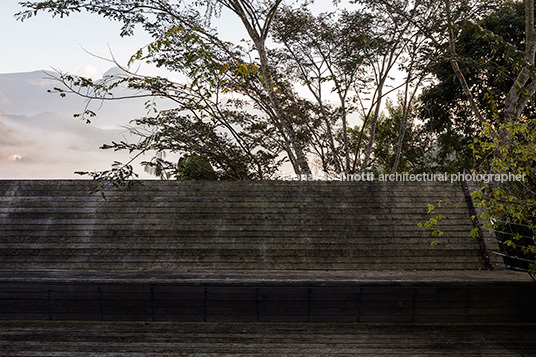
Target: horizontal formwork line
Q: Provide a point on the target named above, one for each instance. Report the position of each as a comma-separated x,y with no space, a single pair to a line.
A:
152,262
115,232
159,208
135,234
258,225
216,224
306,261
195,207
197,203
240,232
462,266
387,198
272,250
338,207
320,239
240,195
215,220
204,242
233,254
171,212
110,233
321,214
424,244
229,235
18,213
151,245
318,266
298,230
223,212
144,217
228,251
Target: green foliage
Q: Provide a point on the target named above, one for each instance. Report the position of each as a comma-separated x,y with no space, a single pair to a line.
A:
510,208
224,110
417,154
195,167
348,52
490,53
433,223
120,176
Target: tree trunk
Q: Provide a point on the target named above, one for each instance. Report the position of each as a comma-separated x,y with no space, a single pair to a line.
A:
516,99
373,129
301,159
456,67
402,131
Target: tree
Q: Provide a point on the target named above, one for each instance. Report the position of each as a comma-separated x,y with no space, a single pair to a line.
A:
351,54
412,152
184,42
495,86
488,68
327,54
509,209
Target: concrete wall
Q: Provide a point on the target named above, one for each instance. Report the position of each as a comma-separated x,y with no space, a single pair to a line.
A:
232,226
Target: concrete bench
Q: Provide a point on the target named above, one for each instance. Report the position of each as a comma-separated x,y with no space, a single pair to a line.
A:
246,251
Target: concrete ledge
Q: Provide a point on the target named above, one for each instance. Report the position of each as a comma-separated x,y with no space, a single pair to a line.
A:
260,276
404,297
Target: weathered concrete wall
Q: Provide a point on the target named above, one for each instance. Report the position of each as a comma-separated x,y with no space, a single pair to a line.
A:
232,226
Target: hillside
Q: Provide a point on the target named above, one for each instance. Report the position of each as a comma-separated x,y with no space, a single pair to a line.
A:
41,138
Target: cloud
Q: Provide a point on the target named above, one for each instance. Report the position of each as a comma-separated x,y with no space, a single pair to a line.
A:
10,136
50,143
89,71
52,146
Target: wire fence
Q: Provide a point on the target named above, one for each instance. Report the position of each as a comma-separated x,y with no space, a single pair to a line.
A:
513,241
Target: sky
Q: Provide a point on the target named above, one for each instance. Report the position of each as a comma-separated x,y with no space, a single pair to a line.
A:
43,42
28,150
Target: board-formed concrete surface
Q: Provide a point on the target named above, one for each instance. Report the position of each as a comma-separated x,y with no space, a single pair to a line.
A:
247,252
313,296
254,225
